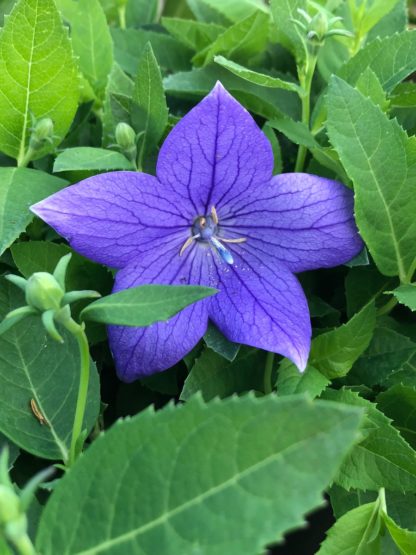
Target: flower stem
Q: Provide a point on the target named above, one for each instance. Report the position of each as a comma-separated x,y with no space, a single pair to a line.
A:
122,16
24,160
79,333
306,82
387,308
268,371
24,546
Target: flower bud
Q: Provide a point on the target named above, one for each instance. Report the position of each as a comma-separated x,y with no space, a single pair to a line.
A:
125,136
43,292
42,132
318,27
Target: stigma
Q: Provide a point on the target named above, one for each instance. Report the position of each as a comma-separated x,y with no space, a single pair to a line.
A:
205,230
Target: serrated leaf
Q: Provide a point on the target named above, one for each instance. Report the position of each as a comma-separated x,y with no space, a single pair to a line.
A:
381,160
257,78
369,86
39,76
290,381
333,353
92,43
19,189
242,40
406,294
235,10
213,376
295,131
399,404
404,95
355,533
284,12
216,341
184,493
382,458
33,366
404,539
196,35
391,59
90,158
149,96
144,305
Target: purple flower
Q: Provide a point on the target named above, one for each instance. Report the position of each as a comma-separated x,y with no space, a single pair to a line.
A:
214,215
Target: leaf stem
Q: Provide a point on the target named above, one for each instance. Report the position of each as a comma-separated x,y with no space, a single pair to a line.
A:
24,160
78,332
24,545
305,80
268,371
388,307
122,16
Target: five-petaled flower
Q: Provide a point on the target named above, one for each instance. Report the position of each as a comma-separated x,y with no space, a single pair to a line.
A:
213,215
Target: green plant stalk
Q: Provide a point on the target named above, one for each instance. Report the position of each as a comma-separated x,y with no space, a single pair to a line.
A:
305,80
78,332
24,545
122,16
268,371
25,157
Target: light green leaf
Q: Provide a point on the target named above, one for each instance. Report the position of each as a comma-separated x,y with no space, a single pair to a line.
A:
144,305
355,533
39,76
242,40
406,294
369,86
150,98
235,10
92,42
374,12
284,12
382,458
19,189
215,340
214,376
89,158
295,131
404,95
392,59
196,35
204,12
381,160
333,353
404,539
33,366
290,381
208,469
258,78
399,404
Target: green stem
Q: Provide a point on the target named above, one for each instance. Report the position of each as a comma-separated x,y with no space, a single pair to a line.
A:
79,333
24,160
306,82
122,16
387,308
268,371
24,546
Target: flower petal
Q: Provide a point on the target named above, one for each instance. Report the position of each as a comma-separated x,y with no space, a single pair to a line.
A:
114,217
263,305
303,220
215,154
140,352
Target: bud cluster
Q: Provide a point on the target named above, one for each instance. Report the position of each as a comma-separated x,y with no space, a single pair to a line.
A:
320,26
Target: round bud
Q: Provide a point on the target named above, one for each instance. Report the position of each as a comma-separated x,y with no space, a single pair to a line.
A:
42,132
43,292
125,136
319,25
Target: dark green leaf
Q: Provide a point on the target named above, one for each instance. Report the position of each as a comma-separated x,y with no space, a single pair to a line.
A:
89,158
216,341
207,469
399,404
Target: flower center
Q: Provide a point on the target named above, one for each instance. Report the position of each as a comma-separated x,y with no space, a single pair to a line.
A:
204,228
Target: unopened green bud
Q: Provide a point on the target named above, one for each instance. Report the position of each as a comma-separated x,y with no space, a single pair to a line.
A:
9,505
125,136
318,27
43,292
42,132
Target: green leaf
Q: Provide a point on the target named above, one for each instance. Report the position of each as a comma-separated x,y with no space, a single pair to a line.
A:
204,12
290,381
295,131
399,404
19,189
258,78
364,284
277,151
195,35
150,98
284,12
39,76
45,371
141,12
381,160
333,353
92,43
387,356
206,470
355,533
89,158
404,539
144,305
215,340
382,458
242,40
118,83
213,376
406,294
235,10
374,12
369,86
391,59
404,95
129,45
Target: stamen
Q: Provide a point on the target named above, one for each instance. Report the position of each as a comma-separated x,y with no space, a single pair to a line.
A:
223,252
187,243
239,240
214,215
